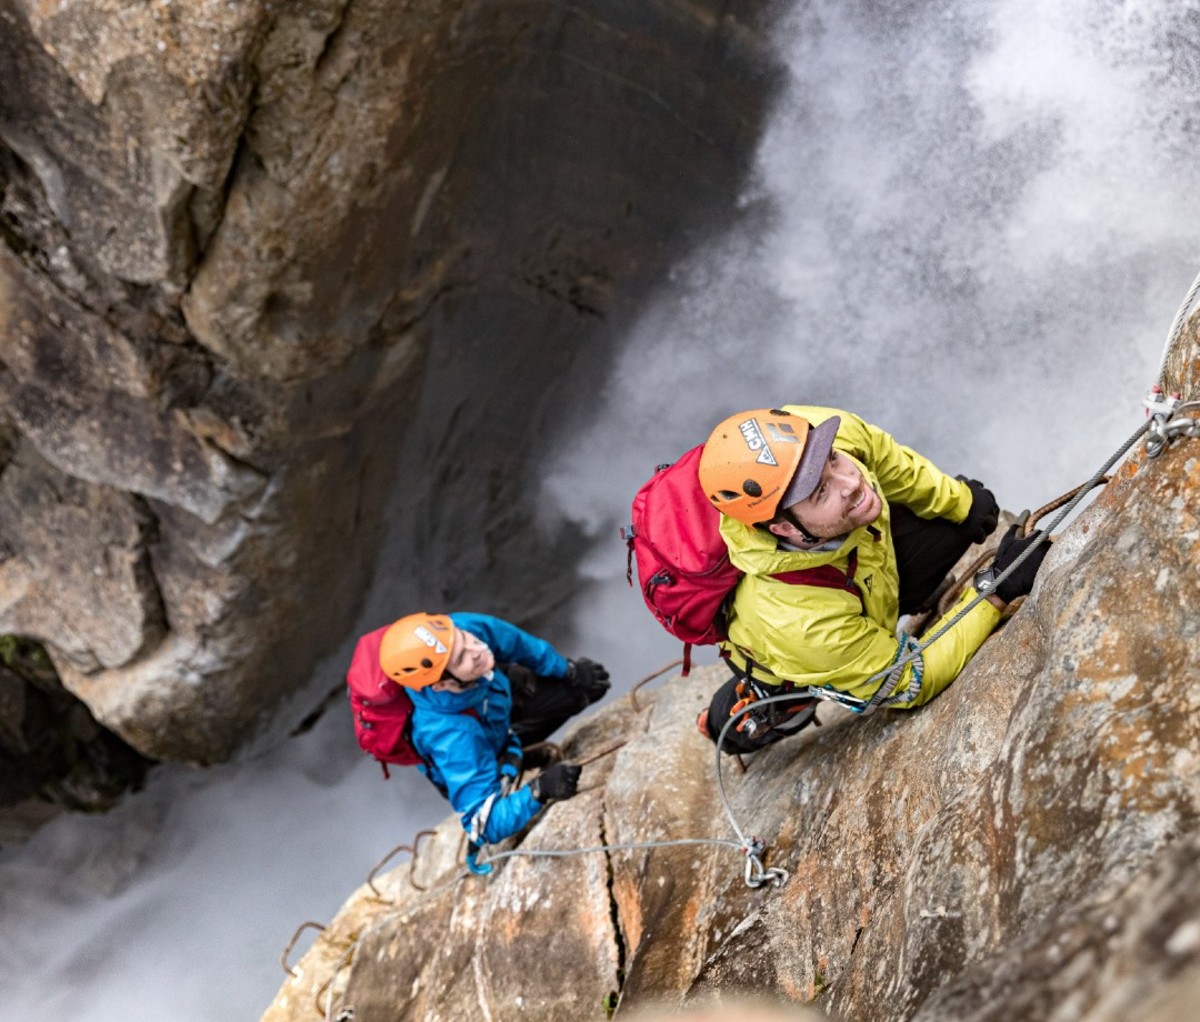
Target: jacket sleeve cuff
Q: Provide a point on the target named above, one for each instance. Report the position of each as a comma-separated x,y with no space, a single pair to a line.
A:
962,507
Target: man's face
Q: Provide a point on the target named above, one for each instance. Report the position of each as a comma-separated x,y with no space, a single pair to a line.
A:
842,501
470,659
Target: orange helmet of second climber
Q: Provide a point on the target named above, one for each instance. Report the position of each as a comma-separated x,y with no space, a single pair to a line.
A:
415,650
757,462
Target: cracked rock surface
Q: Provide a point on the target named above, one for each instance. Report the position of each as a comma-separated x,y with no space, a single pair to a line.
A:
1024,847
292,297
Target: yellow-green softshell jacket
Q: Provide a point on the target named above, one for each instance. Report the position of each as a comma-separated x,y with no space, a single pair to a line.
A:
824,637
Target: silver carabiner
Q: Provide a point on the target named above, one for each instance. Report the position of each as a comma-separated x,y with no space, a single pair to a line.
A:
755,874
1157,438
1160,408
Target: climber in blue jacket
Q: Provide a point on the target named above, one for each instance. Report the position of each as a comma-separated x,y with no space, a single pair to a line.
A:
471,721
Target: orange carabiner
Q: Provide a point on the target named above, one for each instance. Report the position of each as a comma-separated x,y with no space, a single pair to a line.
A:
740,705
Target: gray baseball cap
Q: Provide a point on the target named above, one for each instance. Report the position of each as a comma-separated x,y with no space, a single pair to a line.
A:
816,452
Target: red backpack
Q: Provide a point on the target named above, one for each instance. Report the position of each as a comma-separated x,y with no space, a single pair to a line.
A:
381,708
683,565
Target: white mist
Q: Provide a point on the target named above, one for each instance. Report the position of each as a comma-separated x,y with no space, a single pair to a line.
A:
972,222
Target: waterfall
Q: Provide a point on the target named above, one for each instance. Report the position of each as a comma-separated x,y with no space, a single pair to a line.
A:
971,222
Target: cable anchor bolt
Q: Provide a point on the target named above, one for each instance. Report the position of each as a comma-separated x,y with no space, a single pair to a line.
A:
755,874
1161,431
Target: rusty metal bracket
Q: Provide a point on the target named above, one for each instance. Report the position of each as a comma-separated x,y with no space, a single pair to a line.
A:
412,850
603,752
648,678
283,958
347,1013
1058,502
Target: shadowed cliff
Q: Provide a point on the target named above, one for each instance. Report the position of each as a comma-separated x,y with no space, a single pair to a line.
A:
290,297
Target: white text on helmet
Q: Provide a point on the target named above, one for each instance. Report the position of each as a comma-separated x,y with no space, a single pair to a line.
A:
752,434
430,640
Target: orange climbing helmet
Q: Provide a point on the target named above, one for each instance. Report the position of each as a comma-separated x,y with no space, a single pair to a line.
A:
757,462
414,651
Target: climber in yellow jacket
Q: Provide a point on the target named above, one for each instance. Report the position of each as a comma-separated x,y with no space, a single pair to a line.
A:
840,530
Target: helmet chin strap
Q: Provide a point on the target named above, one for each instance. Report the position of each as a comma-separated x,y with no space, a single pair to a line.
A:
790,515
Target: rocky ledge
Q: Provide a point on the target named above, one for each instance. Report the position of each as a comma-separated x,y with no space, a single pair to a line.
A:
1027,846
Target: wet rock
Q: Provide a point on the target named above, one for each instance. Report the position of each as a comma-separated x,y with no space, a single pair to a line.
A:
1025,846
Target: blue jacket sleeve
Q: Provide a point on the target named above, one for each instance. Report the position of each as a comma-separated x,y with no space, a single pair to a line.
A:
508,815
472,778
510,644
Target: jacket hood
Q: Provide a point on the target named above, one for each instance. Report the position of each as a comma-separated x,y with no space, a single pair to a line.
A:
758,552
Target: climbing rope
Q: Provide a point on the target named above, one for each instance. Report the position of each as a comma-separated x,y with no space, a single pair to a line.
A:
752,848
953,587
1164,424
1175,331
918,649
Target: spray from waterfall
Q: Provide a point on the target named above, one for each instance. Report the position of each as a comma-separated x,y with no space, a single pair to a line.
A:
969,223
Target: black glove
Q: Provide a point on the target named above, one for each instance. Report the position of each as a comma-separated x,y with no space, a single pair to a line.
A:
588,676
1020,582
984,514
558,782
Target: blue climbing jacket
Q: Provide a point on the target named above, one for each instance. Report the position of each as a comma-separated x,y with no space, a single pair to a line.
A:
461,735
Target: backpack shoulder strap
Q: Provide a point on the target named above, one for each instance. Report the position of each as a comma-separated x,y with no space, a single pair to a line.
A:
827,576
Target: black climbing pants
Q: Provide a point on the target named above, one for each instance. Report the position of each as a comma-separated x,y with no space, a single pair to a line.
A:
926,550
541,705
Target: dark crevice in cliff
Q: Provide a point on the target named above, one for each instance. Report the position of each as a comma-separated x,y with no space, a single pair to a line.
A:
157,626
206,206
239,461
614,911
146,319
584,292
330,44
9,439
53,753
27,224
10,231
431,301
207,210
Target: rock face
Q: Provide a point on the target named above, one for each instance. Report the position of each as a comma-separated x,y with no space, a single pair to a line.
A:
52,753
279,278
1024,847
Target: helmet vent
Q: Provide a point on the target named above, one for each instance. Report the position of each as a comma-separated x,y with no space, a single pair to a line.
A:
751,489
427,663
725,495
